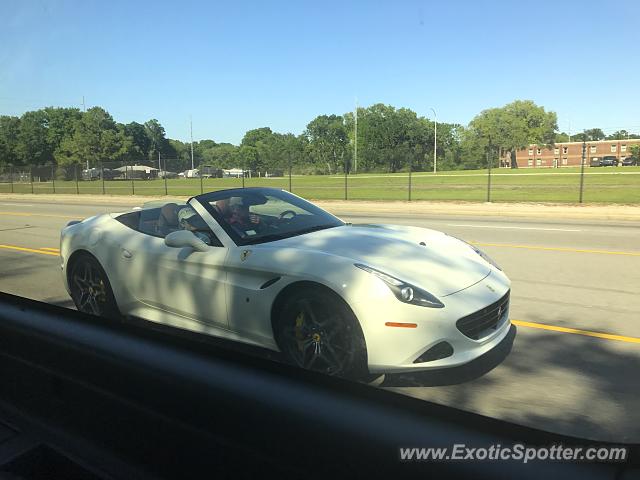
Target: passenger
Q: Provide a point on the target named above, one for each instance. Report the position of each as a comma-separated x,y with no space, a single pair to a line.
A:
168,219
190,220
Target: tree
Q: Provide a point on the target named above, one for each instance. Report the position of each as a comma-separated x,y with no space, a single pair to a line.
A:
622,135
177,157
223,155
396,139
60,123
96,138
290,150
157,140
248,157
9,131
594,135
256,151
328,142
580,137
252,137
140,140
32,146
513,127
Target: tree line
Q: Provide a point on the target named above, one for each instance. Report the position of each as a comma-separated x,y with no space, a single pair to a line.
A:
389,139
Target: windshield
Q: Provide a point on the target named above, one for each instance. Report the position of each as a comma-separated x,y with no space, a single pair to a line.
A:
260,215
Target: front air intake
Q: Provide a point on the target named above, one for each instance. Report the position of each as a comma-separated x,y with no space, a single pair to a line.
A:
437,352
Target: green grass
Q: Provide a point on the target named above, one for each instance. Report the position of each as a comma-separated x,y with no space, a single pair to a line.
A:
601,185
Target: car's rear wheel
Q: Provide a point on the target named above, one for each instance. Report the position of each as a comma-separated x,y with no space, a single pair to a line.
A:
90,288
317,331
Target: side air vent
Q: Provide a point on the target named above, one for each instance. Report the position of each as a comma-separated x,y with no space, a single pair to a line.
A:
268,283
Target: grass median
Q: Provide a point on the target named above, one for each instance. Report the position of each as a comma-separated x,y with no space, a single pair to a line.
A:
601,185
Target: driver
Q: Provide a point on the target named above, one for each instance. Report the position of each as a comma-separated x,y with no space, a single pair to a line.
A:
241,218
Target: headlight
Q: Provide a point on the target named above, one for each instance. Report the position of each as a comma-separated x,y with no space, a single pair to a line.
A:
484,256
403,291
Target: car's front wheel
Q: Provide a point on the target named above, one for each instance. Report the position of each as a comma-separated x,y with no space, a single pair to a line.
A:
90,288
317,331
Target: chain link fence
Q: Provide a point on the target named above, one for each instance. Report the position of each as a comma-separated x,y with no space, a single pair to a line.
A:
498,184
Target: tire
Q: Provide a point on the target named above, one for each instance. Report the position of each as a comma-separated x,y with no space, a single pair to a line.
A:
317,331
90,289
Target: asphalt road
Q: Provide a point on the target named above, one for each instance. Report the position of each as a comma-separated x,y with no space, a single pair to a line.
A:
573,367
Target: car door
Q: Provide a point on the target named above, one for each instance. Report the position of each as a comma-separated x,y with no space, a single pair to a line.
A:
177,286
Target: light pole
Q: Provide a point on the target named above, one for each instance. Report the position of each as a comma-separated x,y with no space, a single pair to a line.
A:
191,129
435,139
355,144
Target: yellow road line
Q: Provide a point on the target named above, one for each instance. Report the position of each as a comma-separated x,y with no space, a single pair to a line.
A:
24,214
576,331
50,248
30,250
557,249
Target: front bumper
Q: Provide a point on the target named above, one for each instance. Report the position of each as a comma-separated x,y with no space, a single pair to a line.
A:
393,349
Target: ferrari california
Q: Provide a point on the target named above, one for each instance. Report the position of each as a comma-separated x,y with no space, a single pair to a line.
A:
266,267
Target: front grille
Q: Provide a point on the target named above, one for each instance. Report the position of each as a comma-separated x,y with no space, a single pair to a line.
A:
474,325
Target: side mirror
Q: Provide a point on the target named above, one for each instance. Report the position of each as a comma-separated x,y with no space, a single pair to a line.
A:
185,238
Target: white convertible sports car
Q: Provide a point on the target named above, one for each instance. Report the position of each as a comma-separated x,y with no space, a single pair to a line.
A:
266,267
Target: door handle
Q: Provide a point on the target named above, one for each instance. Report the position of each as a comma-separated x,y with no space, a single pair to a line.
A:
126,253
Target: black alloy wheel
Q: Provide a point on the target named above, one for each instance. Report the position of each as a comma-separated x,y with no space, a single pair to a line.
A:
317,331
90,288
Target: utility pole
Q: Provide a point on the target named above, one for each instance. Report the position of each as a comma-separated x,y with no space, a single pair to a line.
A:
435,140
84,109
355,154
191,128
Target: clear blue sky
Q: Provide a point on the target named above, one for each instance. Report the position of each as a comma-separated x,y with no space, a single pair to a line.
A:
239,65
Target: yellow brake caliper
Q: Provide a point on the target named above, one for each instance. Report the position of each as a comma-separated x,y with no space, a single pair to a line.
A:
102,294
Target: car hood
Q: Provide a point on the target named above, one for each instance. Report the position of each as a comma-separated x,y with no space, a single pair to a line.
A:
426,258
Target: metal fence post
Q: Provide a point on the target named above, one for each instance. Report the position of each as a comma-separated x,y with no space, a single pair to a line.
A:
290,189
243,178
345,178
165,182
102,177
201,187
489,176
133,187
31,177
410,170
584,150
11,177
75,174
53,177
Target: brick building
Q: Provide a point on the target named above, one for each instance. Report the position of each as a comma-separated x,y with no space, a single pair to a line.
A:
569,154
